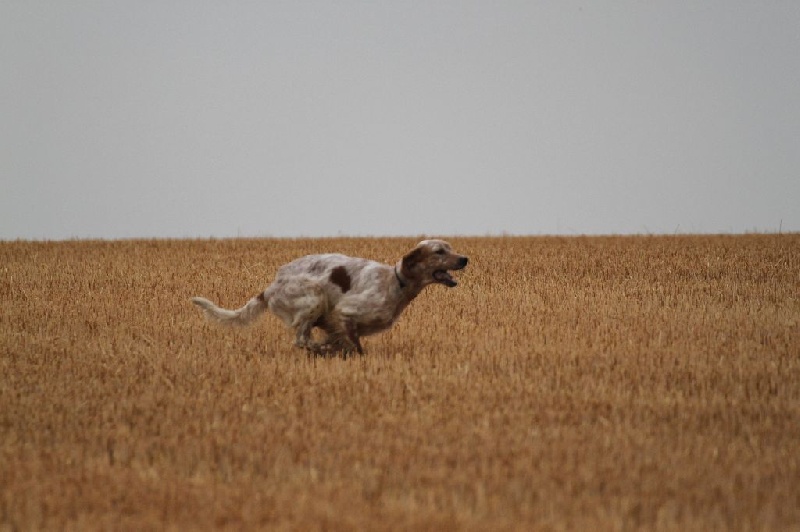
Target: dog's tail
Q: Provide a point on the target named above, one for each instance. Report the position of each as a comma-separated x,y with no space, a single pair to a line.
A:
242,316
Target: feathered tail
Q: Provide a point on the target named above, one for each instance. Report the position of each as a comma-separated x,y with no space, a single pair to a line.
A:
242,316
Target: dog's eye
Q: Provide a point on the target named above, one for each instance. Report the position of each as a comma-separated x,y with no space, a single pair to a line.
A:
440,251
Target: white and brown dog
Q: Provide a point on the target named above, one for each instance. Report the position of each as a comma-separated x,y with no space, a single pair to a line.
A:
347,297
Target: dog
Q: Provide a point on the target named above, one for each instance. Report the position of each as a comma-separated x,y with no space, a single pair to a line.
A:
346,297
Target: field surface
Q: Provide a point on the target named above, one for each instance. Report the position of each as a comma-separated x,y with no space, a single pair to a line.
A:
565,384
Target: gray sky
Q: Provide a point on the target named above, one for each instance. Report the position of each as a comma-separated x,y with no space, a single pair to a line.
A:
266,118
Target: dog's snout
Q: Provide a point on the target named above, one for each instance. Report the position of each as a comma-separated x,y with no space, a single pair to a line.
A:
462,262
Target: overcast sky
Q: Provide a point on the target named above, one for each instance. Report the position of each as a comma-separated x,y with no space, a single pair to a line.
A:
196,119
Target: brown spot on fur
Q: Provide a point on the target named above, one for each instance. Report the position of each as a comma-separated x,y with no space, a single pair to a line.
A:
260,297
341,278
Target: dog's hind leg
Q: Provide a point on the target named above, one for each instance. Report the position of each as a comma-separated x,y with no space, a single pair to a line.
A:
303,338
299,302
304,321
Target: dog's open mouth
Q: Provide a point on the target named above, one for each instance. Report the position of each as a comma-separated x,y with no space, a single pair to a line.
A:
444,277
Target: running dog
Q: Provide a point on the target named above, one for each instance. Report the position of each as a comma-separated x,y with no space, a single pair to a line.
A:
346,297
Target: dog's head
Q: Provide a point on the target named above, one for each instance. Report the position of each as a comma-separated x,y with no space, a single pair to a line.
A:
431,262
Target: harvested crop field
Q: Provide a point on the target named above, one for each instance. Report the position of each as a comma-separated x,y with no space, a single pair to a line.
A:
567,383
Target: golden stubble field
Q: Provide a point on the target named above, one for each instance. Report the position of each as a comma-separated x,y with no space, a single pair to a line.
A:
565,384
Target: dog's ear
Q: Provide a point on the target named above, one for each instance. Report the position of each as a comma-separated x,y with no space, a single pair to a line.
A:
411,259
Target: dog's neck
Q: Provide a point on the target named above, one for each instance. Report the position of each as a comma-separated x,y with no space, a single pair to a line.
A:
400,280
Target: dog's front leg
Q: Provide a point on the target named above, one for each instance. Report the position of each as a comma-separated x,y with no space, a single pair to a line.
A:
351,329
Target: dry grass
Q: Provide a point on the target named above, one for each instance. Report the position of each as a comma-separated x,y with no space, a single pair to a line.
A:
567,383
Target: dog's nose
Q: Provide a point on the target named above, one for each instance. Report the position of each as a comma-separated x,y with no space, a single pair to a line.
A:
462,262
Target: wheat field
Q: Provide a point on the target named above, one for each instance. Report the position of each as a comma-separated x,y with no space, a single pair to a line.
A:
583,383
